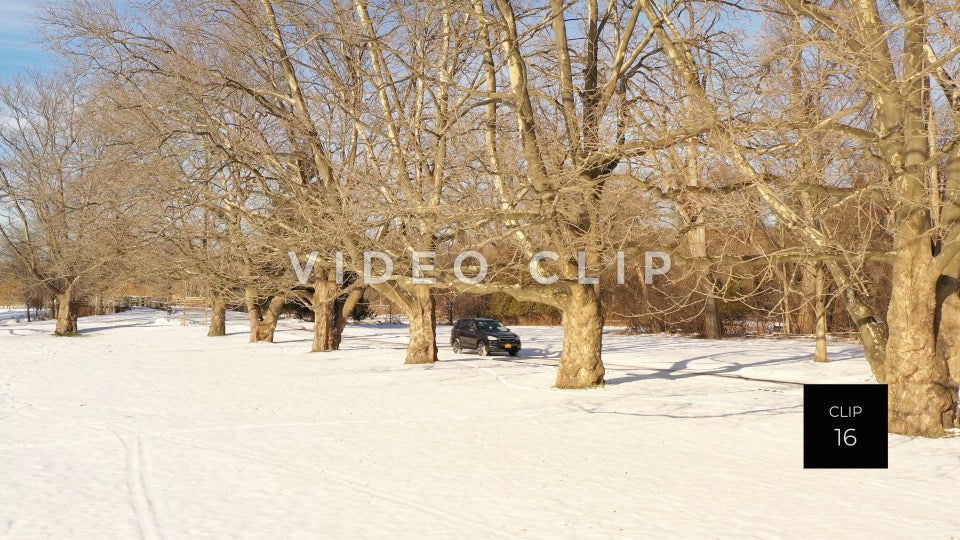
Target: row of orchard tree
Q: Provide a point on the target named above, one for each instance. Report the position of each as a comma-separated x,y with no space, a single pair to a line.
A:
804,141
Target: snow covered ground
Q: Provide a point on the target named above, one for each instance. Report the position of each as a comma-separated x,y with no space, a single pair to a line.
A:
148,428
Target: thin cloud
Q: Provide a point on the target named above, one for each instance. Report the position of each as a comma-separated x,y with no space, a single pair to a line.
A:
19,44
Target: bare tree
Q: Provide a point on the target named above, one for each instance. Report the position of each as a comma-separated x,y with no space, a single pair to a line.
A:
888,63
65,212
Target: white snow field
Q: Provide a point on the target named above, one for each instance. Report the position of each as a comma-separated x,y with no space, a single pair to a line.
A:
147,428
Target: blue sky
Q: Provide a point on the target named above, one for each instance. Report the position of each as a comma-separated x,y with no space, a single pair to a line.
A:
19,39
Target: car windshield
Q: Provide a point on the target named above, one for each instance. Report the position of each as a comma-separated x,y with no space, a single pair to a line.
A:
491,326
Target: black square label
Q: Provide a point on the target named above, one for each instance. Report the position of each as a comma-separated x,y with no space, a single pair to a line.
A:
845,426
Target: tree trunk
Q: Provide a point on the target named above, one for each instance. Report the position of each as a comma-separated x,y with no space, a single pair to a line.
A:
712,325
580,362
340,315
253,312
820,309
421,310
66,314
948,284
271,316
323,302
653,315
697,240
873,334
806,311
787,315
218,318
923,398
948,325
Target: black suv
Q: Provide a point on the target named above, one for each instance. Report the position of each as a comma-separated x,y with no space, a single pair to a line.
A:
485,336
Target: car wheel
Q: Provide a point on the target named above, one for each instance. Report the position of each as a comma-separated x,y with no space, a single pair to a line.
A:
514,352
456,346
482,349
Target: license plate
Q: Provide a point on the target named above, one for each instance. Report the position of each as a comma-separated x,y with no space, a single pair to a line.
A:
507,345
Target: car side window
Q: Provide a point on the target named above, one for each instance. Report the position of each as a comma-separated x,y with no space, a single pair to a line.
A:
473,327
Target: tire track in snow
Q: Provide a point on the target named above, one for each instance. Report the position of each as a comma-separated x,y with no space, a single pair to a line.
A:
209,429
137,488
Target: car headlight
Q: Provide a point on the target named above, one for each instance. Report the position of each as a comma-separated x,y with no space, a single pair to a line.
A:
492,338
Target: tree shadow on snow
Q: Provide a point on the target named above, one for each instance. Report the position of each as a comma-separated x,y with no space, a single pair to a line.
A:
91,329
678,370
537,352
681,369
26,331
766,411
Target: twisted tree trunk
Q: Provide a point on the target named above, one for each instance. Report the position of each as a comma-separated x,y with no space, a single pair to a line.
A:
330,312
324,304
251,301
580,363
268,326
66,313
218,317
923,396
421,310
